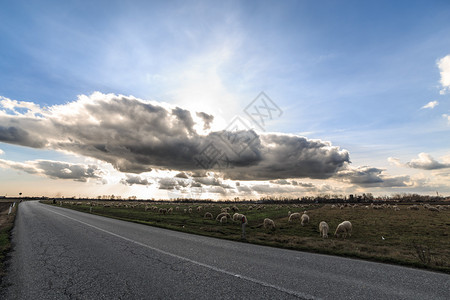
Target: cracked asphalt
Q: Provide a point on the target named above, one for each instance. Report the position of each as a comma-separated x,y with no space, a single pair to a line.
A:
64,254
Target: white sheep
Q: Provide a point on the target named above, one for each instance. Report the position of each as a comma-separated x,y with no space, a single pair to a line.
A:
223,219
237,217
269,223
208,215
219,216
323,229
305,219
294,216
344,229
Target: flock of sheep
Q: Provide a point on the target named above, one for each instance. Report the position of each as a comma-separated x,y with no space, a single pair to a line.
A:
232,214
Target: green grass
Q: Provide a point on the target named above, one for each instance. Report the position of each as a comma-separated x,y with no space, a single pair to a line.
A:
413,238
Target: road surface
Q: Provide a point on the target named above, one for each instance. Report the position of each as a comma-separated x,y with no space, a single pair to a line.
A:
64,254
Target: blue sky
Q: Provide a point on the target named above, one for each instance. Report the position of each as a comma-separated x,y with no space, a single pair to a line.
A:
355,74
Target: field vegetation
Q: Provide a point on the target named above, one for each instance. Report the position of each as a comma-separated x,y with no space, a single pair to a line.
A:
385,233
6,225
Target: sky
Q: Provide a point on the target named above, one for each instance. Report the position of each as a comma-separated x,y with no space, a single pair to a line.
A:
224,99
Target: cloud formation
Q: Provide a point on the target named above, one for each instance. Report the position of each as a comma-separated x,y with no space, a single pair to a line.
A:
56,169
136,136
371,177
444,68
431,105
134,179
426,162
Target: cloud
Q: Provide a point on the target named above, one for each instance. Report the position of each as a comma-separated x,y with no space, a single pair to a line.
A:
445,116
2,152
395,161
182,175
431,104
56,169
207,119
426,162
133,179
371,177
444,68
136,136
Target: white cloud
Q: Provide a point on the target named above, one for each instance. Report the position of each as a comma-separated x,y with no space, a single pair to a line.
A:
444,68
445,116
426,162
2,152
431,104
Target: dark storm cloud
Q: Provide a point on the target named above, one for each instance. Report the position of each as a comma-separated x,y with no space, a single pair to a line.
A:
207,119
136,136
371,177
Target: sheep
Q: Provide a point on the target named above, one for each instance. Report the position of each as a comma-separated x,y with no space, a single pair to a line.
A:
289,213
199,208
190,210
241,218
345,228
323,229
413,207
219,216
294,216
208,215
431,208
170,210
234,208
305,219
237,216
162,211
185,210
269,223
223,219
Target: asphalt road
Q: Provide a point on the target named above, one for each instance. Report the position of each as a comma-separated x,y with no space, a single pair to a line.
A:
64,254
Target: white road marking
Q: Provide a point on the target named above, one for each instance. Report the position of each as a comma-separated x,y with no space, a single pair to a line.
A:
279,288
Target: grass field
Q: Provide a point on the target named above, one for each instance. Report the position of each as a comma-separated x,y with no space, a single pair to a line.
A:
6,224
418,238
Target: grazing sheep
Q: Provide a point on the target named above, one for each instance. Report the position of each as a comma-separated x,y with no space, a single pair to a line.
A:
413,207
208,215
170,210
432,208
237,217
344,229
185,210
323,229
234,208
190,210
269,223
162,211
199,208
219,216
305,219
294,216
223,219
241,218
